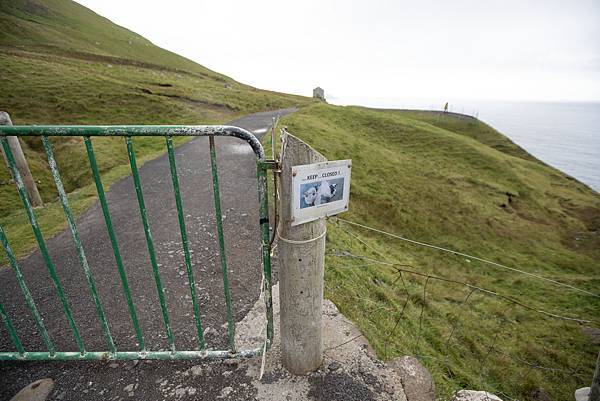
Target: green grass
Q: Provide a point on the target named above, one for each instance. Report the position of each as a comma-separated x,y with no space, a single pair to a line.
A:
68,28
63,64
443,179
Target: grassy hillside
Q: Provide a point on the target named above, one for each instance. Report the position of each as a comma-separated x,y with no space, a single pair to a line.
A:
446,180
67,28
62,63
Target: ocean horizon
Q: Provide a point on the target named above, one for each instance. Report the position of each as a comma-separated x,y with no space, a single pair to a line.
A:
565,135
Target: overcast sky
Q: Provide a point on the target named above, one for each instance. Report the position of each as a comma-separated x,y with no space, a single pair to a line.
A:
509,49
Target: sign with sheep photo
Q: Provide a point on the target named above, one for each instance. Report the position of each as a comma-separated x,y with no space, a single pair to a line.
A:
319,190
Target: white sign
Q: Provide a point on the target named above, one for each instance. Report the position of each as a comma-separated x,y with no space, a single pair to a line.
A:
319,190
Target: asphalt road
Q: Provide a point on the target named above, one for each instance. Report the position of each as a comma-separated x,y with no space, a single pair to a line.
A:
148,379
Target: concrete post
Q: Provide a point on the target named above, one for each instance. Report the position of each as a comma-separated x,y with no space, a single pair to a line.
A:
21,162
302,257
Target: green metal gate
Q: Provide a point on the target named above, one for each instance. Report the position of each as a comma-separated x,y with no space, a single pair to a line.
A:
127,132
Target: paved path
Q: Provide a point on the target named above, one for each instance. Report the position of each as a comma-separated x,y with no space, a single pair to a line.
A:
106,381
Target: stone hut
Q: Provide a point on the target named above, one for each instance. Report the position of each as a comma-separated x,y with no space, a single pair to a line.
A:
319,93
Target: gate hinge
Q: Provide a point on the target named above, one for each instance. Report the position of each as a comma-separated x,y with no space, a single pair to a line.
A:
268,164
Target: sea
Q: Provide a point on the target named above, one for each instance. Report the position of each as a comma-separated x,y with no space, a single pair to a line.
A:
563,135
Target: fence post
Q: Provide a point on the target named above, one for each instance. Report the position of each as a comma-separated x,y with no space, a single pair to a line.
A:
595,388
302,256
21,162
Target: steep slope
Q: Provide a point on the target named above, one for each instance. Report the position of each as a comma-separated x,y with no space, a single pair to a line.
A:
455,182
61,63
67,28
61,43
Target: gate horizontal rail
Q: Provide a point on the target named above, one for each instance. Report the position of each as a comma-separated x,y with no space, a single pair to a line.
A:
129,131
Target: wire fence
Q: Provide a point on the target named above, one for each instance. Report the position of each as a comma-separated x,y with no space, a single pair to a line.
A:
469,335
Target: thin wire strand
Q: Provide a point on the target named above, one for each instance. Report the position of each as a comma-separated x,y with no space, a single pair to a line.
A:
464,303
393,332
345,342
422,312
483,362
492,348
481,289
439,248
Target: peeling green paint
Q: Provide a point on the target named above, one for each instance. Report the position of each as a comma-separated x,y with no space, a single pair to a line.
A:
128,132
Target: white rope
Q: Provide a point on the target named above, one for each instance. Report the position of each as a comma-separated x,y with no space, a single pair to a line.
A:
291,241
263,361
439,248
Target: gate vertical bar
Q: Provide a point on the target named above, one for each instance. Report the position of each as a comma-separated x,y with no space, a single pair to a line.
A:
184,241
219,218
26,294
42,244
263,202
148,234
114,243
11,331
80,252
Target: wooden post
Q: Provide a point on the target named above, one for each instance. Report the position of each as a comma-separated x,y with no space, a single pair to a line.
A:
21,162
595,388
302,256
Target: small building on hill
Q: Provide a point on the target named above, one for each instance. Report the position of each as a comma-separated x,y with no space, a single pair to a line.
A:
319,93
